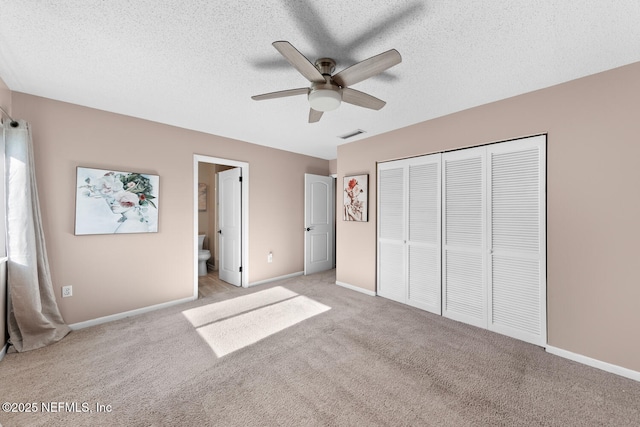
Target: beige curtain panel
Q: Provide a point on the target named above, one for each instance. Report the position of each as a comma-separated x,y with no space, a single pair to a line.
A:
34,320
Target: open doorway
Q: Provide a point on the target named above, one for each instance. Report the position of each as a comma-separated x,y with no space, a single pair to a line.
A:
208,221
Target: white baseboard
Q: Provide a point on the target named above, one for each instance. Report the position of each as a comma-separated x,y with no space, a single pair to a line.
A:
118,316
274,279
595,363
356,288
4,351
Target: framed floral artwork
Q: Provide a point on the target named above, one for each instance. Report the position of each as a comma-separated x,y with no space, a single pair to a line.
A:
356,194
114,202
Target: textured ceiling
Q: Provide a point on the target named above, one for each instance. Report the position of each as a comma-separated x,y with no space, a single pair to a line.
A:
196,63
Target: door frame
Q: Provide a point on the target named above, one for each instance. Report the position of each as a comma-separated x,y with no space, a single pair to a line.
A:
244,252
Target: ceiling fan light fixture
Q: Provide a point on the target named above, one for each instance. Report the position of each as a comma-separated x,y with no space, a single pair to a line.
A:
325,99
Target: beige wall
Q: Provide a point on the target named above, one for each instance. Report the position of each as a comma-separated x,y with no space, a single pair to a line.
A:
5,98
206,175
5,103
333,166
116,273
593,202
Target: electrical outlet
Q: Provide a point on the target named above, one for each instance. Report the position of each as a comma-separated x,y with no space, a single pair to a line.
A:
67,291
270,257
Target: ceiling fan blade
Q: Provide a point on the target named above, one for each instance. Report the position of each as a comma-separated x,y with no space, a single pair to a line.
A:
361,99
299,61
367,68
314,115
281,94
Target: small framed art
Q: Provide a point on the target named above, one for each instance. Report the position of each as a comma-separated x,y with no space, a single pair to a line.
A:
202,197
356,195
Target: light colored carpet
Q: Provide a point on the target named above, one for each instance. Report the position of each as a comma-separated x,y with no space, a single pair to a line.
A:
321,356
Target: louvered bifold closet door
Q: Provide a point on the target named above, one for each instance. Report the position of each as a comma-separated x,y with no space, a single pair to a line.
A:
463,242
423,243
391,232
517,256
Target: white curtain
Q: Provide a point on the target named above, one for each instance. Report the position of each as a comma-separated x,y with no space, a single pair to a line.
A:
33,317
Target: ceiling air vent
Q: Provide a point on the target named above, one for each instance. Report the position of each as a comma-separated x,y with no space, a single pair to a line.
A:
352,134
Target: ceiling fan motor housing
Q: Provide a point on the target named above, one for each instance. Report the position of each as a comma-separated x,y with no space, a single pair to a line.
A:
326,66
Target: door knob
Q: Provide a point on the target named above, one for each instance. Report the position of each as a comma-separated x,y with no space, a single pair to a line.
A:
219,231
308,228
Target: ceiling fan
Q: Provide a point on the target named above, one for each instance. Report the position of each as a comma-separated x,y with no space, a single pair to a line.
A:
328,91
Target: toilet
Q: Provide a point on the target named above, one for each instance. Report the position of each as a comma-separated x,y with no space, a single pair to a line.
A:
203,256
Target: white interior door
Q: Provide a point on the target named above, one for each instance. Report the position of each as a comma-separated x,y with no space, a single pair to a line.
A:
229,220
464,283
392,231
409,244
423,243
319,214
517,255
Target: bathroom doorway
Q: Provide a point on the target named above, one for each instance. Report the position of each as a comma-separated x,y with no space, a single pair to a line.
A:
207,222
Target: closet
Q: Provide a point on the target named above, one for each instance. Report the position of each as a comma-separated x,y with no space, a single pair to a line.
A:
462,234
409,247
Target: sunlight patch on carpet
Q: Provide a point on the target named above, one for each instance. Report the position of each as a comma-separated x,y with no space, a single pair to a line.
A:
220,310
228,326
